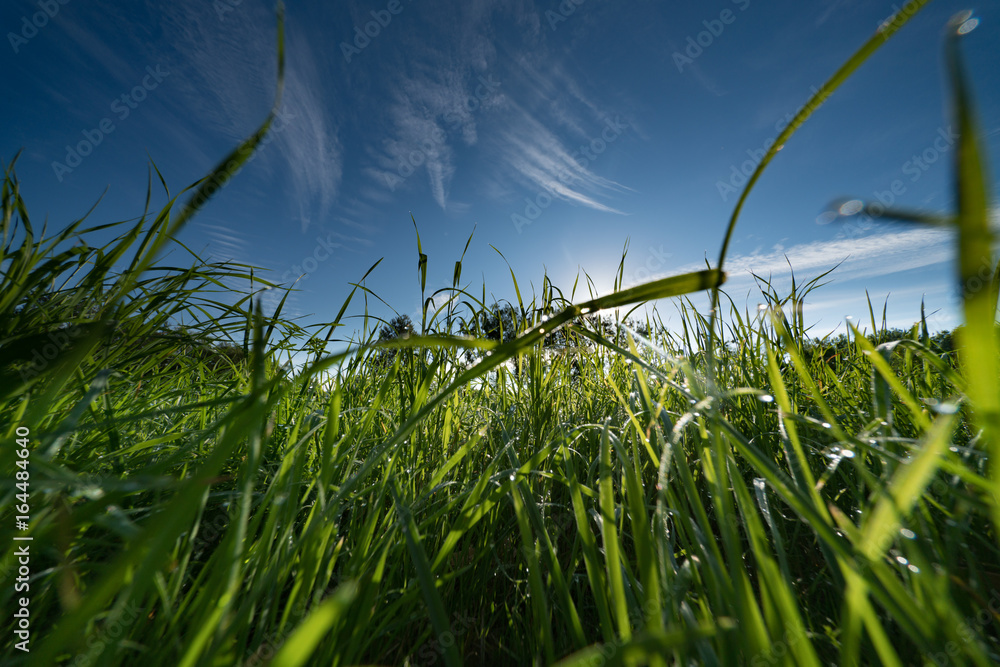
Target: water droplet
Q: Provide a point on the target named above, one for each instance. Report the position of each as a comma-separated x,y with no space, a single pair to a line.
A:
849,318
965,21
968,26
513,477
902,561
907,533
826,217
766,398
945,408
852,207
826,425
761,306
913,568
541,329
848,453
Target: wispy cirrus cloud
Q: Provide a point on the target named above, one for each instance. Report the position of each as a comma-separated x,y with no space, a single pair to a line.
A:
222,74
426,109
455,97
536,157
226,241
875,255
231,58
866,257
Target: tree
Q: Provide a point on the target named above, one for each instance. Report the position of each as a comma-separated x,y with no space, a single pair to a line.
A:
398,327
500,323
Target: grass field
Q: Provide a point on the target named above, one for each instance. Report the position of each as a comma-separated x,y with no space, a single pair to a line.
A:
578,493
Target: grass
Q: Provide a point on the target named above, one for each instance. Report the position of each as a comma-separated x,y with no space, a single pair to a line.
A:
583,492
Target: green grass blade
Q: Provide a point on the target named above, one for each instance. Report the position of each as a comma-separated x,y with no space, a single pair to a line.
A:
435,607
302,643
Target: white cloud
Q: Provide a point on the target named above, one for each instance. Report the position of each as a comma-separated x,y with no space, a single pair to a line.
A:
865,257
529,114
225,79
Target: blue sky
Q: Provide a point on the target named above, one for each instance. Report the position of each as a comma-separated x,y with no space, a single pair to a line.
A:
558,130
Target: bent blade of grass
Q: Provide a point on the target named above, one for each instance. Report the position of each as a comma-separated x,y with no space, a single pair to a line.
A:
422,272
882,214
873,43
882,35
657,289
